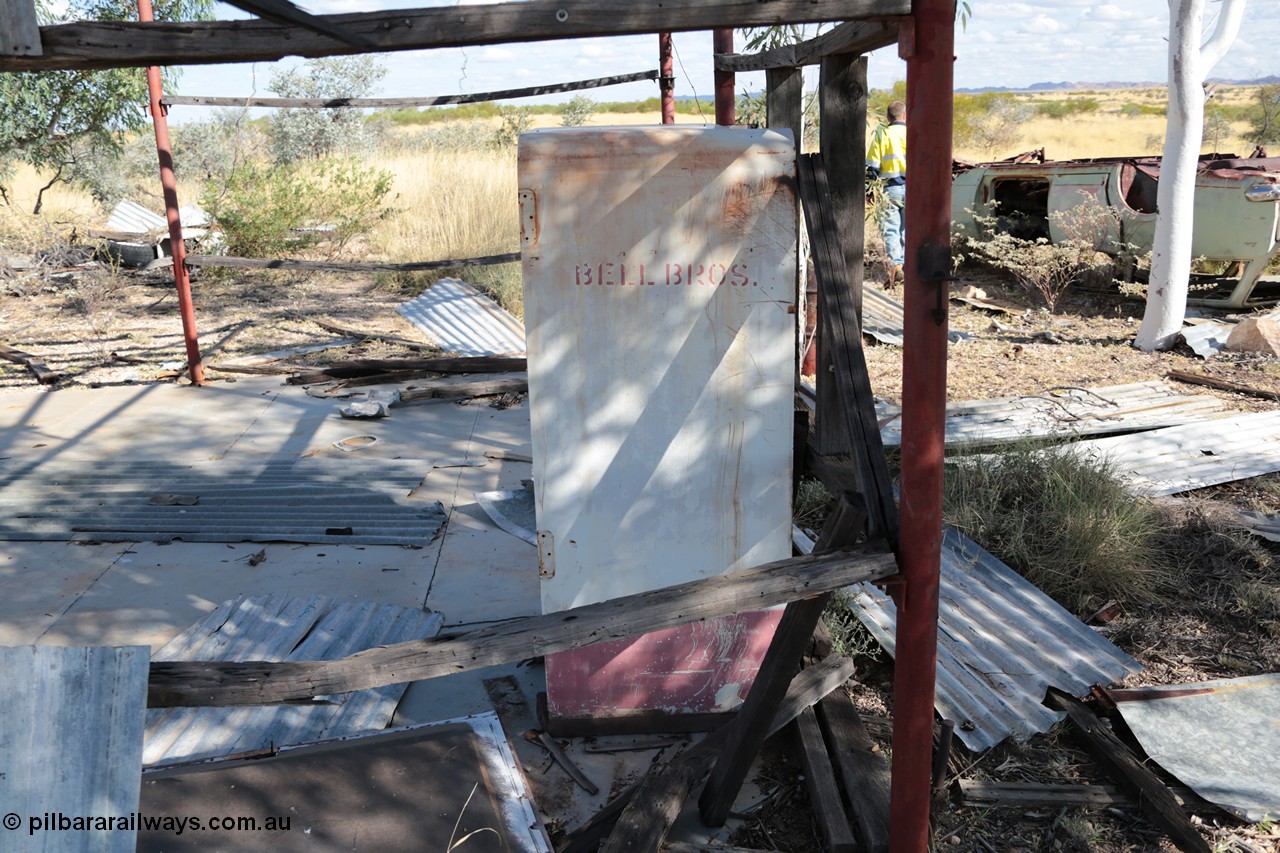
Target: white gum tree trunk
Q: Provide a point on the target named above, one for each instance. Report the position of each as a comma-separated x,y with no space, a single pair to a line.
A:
1189,66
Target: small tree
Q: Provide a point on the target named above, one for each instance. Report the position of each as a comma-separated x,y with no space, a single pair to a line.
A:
301,133
51,119
1264,116
576,112
1189,65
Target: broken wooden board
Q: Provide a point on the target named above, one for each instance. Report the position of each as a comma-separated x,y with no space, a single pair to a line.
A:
453,784
42,372
71,747
197,684
278,628
1063,412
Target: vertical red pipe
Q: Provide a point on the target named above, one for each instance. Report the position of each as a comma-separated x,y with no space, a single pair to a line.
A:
926,42
666,78
722,44
180,277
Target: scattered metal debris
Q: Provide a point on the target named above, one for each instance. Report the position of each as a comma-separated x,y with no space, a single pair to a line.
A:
281,628
377,404
1219,738
1182,458
1062,411
443,783
463,320
512,510
882,318
1207,338
992,682
557,754
71,743
290,500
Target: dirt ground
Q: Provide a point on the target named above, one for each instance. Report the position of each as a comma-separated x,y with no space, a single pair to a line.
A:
107,329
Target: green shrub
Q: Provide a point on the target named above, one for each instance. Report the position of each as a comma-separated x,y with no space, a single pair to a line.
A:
988,121
264,211
1065,521
576,112
1067,108
1132,110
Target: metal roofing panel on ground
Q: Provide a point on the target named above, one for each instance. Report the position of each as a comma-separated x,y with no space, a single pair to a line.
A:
882,318
1178,459
463,320
441,786
318,501
1063,411
1001,644
71,743
1219,738
132,218
282,628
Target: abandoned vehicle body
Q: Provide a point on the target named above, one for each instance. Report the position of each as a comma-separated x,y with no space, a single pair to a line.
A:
1237,211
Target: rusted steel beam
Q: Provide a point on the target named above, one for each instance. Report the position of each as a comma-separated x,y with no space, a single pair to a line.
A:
118,44
927,44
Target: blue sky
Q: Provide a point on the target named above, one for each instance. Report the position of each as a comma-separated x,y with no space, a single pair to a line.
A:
1005,44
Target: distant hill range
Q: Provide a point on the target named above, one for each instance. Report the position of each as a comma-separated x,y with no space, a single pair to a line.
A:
1067,87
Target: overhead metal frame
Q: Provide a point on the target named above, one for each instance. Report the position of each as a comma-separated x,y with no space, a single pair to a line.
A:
926,41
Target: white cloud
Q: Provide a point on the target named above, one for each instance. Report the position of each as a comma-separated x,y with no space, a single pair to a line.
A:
1111,12
1043,25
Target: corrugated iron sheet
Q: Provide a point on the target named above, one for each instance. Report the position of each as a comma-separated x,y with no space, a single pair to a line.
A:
348,501
1178,459
882,318
71,742
282,628
463,320
133,218
1063,411
1207,338
1219,738
1001,644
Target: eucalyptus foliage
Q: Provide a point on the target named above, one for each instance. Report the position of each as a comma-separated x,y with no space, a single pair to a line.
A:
50,118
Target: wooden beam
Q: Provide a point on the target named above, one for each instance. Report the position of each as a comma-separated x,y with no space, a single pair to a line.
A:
1222,384
19,28
1025,795
284,12
336,266
442,389
820,779
865,772
1155,801
382,103
853,402
853,37
651,800
44,374
352,368
353,332
119,44
845,523
182,683
784,102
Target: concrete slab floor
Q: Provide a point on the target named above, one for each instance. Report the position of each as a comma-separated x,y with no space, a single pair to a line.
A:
145,593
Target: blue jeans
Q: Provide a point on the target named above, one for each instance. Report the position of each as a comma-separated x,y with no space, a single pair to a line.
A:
893,223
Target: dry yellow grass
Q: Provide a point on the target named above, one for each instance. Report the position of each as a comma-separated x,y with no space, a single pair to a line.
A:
61,201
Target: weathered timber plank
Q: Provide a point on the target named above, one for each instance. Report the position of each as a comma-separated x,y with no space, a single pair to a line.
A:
820,779
257,683
864,772
351,331
42,372
1155,801
19,28
853,402
784,102
382,103
336,266
284,12
1021,795
1222,384
118,44
853,37
444,389
805,689
352,368
845,523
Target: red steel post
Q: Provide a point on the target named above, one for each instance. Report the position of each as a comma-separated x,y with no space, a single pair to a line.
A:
181,279
666,78
926,41
722,43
